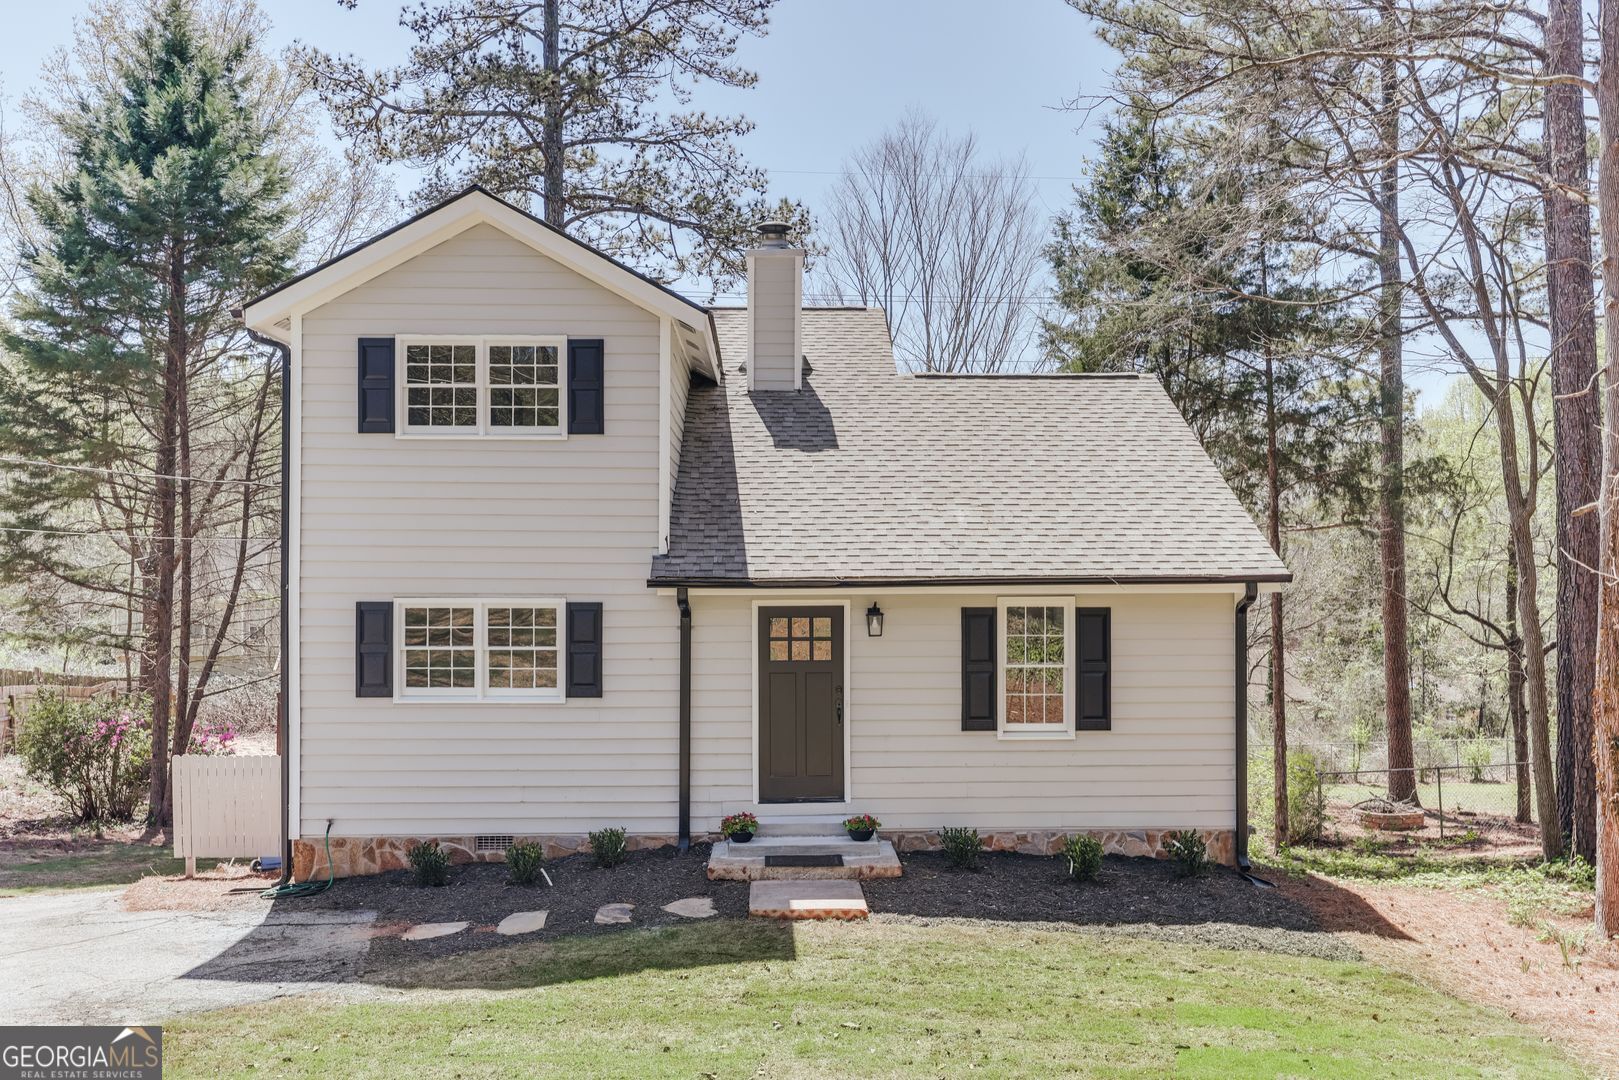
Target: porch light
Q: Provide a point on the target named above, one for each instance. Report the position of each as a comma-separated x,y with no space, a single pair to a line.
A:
874,620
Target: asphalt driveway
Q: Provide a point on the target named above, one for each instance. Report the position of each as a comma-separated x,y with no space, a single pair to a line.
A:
78,957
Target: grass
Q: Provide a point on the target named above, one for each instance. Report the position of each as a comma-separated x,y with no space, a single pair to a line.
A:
1528,886
115,864
737,999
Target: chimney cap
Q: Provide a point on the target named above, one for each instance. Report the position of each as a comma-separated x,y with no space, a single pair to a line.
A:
774,230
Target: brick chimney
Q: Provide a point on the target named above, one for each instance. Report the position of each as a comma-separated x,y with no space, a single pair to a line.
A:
775,297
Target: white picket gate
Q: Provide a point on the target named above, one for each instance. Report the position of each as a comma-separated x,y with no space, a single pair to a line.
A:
226,807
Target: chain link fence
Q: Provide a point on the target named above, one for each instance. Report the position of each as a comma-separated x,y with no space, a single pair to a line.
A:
1478,803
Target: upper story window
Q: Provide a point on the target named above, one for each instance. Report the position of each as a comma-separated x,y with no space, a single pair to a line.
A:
500,386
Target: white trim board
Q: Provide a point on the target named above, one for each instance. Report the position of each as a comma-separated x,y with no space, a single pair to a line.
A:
294,603
788,809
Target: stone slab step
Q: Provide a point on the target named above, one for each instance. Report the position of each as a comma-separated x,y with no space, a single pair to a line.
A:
807,900
776,825
749,862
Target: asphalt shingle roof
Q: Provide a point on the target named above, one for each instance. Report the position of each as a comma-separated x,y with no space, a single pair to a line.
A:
866,475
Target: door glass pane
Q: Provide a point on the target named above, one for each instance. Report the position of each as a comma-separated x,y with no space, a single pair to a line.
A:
823,650
801,650
823,628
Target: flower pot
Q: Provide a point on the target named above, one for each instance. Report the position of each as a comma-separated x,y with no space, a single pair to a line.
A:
861,835
740,837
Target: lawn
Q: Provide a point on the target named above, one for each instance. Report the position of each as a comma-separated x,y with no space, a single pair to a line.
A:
119,863
736,999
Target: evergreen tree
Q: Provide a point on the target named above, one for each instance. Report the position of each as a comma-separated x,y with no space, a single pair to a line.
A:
122,339
566,104
1178,269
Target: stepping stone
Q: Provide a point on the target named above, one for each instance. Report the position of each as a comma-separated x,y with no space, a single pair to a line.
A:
613,913
693,907
832,898
522,922
426,930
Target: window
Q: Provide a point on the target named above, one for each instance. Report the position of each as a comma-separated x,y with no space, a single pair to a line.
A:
492,386
1037,656
480,650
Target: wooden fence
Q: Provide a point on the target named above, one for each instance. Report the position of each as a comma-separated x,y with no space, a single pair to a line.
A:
226,807
17,697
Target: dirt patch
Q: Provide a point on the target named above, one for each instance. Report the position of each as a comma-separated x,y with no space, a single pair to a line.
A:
222,888
1464,944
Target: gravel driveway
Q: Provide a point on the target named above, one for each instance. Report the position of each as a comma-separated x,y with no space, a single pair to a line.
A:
78,957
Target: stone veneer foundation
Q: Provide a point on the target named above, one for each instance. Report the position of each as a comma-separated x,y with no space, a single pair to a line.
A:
356,855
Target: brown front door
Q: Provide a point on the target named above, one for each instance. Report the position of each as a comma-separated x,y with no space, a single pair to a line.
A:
801,704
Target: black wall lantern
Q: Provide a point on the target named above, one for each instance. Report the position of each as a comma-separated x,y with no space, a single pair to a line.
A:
874,620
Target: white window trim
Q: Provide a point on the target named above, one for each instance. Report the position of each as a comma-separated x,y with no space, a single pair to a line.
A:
482,692
1004,730
483,429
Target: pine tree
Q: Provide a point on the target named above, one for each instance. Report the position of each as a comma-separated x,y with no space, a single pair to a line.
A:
170,215
574,106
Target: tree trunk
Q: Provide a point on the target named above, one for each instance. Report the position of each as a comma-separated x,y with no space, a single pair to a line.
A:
1606,710
1577,421
1391,486
160,607
1278,643
1515,708
551,133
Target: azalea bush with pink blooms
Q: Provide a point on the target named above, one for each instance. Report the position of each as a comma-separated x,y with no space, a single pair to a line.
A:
96,755
213,739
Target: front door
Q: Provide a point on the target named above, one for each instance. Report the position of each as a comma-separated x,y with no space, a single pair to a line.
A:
801,704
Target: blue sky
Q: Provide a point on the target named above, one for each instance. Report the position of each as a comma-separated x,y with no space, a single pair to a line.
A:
833,75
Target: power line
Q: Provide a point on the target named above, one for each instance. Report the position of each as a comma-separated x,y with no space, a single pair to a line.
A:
125,472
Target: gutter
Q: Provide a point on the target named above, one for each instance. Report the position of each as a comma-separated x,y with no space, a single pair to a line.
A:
1250,593
683,582
281,735
684,707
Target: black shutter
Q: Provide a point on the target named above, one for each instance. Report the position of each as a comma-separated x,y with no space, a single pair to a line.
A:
584,647
376,385
373,648
1093,637
978,669
586,401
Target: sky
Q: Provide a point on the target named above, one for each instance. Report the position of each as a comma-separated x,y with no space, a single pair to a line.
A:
833,74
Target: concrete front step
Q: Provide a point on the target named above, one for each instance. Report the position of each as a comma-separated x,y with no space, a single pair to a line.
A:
773,825
807,900
730,861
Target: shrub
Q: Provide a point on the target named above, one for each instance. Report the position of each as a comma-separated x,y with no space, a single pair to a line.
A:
95,755
609,846
213,738
961,846
1478,755
1306,802
739,823
430,863
1084,855
1190,853
525,861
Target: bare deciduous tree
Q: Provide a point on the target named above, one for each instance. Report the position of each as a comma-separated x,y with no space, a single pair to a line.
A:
942,239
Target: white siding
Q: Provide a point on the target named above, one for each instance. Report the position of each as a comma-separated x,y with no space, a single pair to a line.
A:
1167,762
774,301
578,518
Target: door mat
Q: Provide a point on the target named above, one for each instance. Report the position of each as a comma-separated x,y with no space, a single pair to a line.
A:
803,860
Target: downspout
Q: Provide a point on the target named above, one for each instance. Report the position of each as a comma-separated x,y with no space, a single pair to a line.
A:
281,737
1250,593
682,599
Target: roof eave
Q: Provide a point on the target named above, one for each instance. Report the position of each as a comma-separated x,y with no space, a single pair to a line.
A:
691,581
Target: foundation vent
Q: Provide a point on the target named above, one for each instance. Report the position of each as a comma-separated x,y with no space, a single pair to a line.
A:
492,843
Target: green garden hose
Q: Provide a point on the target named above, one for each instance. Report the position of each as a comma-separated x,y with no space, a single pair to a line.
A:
293,890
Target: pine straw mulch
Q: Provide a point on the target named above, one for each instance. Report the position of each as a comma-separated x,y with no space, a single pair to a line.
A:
1461,942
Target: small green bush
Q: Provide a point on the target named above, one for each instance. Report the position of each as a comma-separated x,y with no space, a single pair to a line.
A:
1478,755
609,846
1306,802
1084,855
525,861
961,846
1189,851
95,755
429,863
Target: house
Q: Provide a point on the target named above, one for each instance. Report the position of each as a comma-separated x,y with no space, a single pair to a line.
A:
568,550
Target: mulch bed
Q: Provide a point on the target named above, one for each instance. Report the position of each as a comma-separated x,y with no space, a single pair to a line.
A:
1137,896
